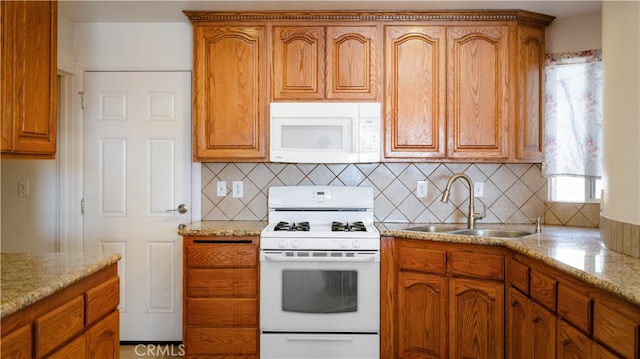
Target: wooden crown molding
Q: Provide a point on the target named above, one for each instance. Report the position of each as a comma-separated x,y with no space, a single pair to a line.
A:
520,16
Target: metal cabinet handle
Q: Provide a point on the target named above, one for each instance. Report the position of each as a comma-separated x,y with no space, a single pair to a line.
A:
182,209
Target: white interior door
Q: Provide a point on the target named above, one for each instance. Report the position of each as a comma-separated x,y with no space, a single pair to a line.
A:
137,165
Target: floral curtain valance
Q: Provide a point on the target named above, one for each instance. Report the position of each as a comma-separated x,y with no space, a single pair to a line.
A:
573,114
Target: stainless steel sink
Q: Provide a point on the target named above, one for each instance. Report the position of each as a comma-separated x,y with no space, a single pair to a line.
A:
498,233
432,229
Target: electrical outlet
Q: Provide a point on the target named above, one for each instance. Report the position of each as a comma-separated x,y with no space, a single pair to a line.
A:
221,189
478,189
422,189
23,188
237,189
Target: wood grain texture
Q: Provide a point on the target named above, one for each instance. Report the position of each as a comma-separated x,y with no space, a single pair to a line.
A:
103,339
530,121
353,62
29,79
476,318
422,315
230,93
102,300
18,344
221,297
479,108
298,69
58,326
544,289
415,91
575,307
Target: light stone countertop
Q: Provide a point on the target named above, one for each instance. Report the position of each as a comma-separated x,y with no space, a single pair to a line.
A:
26,278
574,250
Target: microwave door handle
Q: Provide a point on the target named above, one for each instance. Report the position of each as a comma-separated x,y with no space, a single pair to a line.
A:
279,258
355,135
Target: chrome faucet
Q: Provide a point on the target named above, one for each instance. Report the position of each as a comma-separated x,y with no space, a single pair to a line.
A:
471,216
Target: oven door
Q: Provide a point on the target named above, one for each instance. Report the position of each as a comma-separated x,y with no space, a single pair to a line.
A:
320,291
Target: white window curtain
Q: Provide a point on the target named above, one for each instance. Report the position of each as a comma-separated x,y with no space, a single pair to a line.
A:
573,114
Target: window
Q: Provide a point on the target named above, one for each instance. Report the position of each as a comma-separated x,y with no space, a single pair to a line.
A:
573,126
574,189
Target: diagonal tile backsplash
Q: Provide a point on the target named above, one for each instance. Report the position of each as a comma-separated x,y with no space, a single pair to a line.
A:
513,193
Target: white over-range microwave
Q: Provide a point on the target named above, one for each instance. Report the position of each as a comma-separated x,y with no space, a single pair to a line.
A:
325,132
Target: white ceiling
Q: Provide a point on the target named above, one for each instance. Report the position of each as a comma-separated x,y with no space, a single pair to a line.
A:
171,10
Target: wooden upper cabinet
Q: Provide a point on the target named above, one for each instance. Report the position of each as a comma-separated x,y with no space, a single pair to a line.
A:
28,86
352,62
479,94
415,91
529,124
325,62
298,62
229,95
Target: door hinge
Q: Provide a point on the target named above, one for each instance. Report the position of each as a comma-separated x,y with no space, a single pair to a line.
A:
81,93
82,206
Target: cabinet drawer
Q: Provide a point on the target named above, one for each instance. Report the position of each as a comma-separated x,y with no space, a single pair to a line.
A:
477,265
422,260
618,326
59,325
234,342
518,276
222,312
575,308
75,349
214,255
222,282
17,344
544,289
102,299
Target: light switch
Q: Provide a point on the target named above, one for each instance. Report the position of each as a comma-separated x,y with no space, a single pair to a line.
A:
478,189
422,189
23,188
237,189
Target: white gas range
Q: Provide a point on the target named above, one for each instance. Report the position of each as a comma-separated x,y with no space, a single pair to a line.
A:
320,274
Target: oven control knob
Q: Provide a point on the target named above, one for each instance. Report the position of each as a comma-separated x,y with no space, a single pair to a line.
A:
356,244
283,243
343,244
295,244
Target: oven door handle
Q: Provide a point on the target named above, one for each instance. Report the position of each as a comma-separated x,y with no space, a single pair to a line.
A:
318,338
280,258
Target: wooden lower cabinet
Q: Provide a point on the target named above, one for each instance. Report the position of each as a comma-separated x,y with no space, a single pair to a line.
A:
220,316
422,315
531,329
452,300
59,326
476,318
439,313
558,316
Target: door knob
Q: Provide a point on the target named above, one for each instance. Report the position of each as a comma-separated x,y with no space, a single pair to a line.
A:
182,209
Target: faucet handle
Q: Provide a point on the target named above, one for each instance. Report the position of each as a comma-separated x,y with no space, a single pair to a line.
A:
484,211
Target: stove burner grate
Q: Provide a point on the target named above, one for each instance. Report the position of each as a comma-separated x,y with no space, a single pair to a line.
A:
348,227
286,226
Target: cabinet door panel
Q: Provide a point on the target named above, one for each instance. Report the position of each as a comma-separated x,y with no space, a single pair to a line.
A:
29,92
229,93
478,95
476,319
103,339
298,62
352,62
543,336
518,327
422,313
571,343
531,76
415,91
